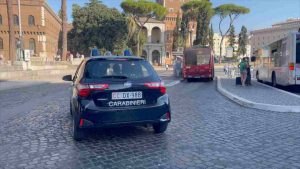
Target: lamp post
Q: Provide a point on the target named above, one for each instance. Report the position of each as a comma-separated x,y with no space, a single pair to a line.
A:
20,43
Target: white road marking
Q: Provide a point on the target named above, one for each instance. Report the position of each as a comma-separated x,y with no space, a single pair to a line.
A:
172,83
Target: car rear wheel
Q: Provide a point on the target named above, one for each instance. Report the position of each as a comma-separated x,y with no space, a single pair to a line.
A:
188,79
160,127
76,132
274,83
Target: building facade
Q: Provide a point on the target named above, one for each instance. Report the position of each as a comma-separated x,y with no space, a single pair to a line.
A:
40,28
173,10
260,38
154,48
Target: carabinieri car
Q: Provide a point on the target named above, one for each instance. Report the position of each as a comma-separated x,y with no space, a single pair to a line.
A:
117,90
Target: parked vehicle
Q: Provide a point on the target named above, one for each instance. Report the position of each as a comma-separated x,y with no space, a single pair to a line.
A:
198,62
279,62
117,90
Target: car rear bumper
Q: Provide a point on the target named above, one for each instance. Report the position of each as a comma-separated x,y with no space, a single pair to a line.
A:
94,116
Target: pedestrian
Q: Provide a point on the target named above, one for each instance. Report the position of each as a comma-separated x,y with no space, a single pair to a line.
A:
167,67
78,55
1,59
71,57
243,71
248,79
95,51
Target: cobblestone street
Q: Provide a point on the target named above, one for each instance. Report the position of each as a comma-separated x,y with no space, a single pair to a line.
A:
207,131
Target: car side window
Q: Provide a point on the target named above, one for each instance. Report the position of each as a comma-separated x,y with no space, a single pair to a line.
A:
77,71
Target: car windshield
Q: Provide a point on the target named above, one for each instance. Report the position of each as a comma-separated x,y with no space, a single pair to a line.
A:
118,69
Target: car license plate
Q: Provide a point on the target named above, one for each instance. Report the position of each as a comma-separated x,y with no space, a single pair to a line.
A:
126,95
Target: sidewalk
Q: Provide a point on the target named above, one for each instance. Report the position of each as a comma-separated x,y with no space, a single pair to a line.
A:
259,96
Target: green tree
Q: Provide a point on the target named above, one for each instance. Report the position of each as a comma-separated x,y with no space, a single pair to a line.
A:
233,12
211,37
200,11
96,24
243,41
176,34
232,37
141,11
184,28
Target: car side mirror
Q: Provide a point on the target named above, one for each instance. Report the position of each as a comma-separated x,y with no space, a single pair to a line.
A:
67,78
253,58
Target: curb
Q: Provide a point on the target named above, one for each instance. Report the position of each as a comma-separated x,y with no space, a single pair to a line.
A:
254,105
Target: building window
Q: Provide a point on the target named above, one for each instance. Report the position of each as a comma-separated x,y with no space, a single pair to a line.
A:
0,19
171,9
16,20
32,45
31,21
1,43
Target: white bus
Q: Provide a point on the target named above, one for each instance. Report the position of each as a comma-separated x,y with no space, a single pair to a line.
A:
279,62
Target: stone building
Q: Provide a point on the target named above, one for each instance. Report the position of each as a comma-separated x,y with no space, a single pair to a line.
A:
174,8
40,27
154,48
262,37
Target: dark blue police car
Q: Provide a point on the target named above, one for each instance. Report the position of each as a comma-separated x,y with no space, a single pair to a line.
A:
117,90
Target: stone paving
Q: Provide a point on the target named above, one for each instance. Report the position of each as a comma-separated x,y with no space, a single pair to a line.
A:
5,85
259,93
207,131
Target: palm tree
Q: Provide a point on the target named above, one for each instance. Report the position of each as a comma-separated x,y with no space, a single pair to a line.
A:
64,29
11,31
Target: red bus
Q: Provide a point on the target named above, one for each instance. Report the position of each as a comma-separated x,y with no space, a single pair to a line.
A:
198,62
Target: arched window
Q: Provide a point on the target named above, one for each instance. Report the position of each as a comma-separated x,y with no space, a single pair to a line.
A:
31,21
16,20
1,43
0,19
32,45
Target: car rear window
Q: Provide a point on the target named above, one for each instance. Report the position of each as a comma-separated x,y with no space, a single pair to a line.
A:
122,68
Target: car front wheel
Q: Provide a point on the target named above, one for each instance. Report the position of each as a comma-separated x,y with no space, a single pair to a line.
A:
160,127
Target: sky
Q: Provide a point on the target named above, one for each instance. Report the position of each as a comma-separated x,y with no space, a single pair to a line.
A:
263,13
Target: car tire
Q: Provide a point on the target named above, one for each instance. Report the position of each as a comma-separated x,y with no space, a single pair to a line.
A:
274,83
188,79
257,78
76,132
160,127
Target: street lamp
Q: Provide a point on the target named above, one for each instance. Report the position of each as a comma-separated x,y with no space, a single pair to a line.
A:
20,42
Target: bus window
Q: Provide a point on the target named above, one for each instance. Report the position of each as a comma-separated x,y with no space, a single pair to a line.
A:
298,52
191,59
203,59
284,57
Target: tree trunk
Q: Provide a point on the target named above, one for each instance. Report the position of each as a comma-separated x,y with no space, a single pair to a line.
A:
12,56
221,44
138,42
64,30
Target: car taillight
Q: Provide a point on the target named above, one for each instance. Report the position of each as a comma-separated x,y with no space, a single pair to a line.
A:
292,66
157,85
84,90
